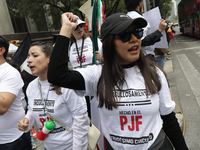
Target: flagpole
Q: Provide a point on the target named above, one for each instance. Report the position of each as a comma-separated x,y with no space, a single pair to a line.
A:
94,30
91,2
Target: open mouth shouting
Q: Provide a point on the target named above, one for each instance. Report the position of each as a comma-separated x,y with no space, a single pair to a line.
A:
133,50
31,67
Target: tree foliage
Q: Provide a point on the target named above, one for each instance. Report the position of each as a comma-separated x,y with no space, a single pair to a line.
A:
113,6
165,8
38,9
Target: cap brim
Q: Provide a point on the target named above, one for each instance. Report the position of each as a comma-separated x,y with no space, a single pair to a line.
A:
138,22
81,22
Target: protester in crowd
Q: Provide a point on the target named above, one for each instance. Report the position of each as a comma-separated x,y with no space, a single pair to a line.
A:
135,105
81,51
167,35
11,110
170,33
168,40
24,99
161,53
62,104
149,38
160,56
172,28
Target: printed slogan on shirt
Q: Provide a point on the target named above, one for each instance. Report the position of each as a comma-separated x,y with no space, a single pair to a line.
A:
131,119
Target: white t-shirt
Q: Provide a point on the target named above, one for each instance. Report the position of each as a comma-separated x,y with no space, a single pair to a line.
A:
147,31
65,108
87,54
11,81
136,123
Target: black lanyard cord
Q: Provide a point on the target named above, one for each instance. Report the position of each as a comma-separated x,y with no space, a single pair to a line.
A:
80,55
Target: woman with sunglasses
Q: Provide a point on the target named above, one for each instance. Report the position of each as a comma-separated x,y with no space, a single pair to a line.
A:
136,110
81,49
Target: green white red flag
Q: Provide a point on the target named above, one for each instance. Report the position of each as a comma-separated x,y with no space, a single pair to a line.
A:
100,14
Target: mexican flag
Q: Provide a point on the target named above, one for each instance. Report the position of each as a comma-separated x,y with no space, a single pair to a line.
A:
100,14
94,11
87,9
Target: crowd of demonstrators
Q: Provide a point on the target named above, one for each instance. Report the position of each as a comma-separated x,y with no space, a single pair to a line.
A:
134,7
136,110
11,110
130,90
63,104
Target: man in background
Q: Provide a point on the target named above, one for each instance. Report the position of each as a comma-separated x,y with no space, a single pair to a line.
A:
134,8
11,110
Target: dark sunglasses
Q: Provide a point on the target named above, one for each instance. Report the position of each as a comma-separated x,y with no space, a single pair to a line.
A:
80,25
125,36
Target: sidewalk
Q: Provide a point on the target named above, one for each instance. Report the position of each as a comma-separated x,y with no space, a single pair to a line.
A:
168,68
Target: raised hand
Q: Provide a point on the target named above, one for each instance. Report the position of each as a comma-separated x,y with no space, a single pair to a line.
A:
162,25
69,23
69,19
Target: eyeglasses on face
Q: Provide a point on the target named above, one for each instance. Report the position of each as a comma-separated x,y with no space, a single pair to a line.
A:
125,36
80,25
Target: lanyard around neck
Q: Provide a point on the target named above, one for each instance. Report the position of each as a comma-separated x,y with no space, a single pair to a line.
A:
42,98
80,55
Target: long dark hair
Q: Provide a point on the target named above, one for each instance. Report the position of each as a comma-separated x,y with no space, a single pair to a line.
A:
113,74
47,49
131,5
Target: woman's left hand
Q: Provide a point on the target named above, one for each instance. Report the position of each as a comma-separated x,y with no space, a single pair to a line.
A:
98,56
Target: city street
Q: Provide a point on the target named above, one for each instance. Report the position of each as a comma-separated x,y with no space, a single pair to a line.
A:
184,80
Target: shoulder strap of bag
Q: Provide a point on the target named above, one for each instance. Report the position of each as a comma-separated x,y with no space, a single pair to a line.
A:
52,116
48,112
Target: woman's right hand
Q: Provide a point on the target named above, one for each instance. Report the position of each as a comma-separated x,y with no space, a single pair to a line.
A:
69,19
23,124
69,23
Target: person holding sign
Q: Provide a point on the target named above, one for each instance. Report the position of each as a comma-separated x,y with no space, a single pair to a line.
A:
134,7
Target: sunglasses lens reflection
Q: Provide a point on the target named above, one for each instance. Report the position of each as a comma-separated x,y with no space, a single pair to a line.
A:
126,35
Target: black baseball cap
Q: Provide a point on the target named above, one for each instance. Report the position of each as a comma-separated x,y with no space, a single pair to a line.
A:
118,22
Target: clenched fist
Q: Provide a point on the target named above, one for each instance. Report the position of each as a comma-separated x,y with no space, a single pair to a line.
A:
23,124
